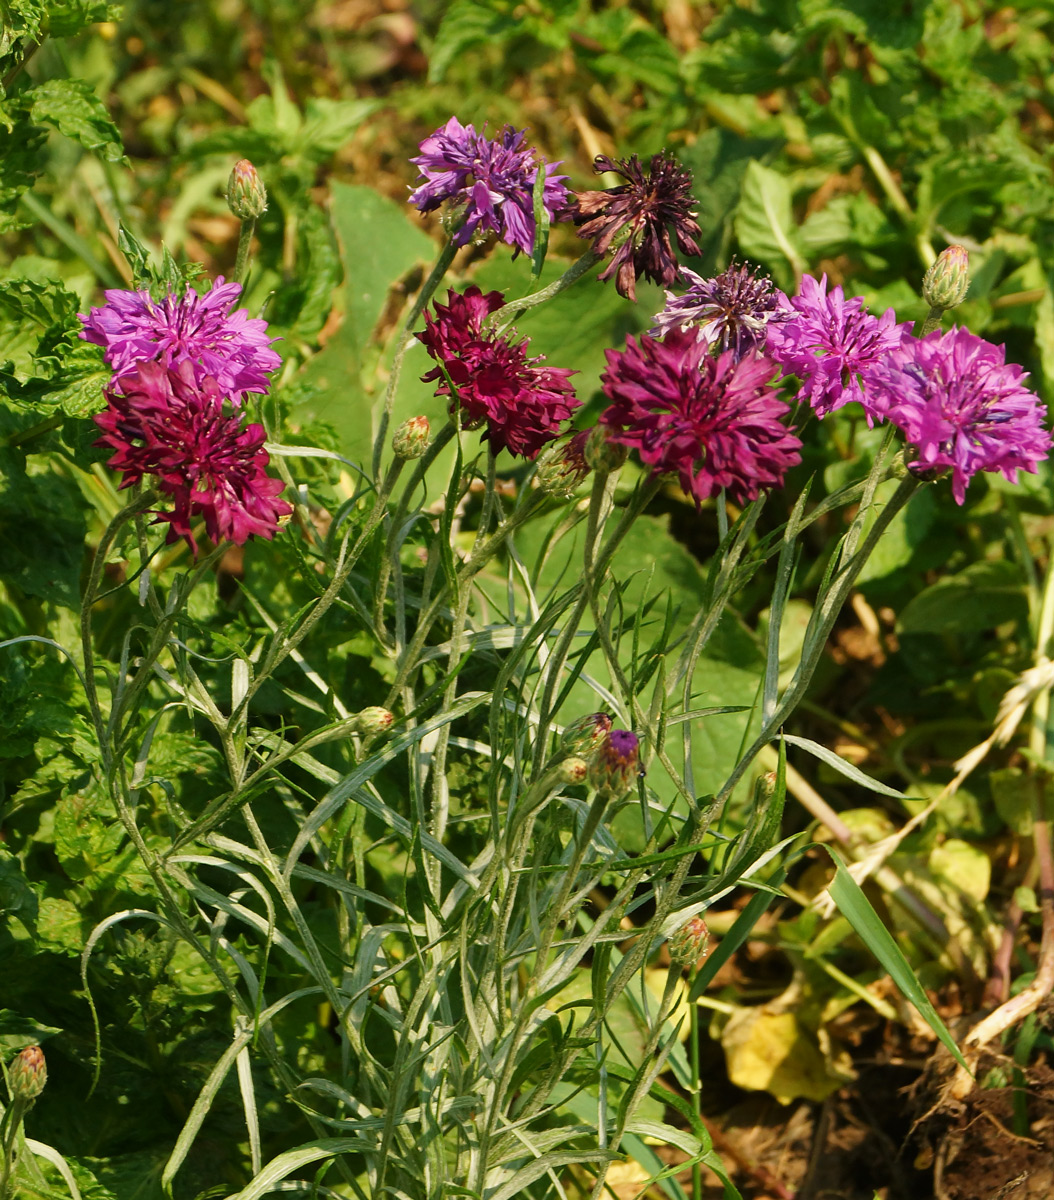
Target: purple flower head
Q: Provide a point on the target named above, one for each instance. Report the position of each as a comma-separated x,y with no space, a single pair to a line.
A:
713,422
728,312
831,344
519,400
230,347
491,178
614,762
171,425
962,407
636,219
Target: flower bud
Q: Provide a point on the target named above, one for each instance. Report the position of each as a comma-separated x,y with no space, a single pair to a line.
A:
603,454
410,440
373,720
561,466
689,943
573,770
614,763
246,194
585,735
27,1074
944,284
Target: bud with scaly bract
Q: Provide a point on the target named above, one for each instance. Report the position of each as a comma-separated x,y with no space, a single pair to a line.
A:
561,466
373,720
614,764
246,194
689,943
944,284
410,440
573,770
603,454
27,1074
584,735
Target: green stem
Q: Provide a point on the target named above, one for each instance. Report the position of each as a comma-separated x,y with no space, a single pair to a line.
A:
35,431
932,322
510,312
12,1126
695,1077
245,238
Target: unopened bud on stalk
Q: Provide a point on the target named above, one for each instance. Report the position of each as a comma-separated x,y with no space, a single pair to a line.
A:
561,466
27,1074
410,440
613,766
601,453
573,770
584,735
373,720
944,284
246,194
689,944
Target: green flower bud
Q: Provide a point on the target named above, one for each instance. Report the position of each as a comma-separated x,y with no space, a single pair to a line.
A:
373,720
614,764
583,736
573,770
601,453
944,284
246,194
410,440
689,944
27,1074
561,466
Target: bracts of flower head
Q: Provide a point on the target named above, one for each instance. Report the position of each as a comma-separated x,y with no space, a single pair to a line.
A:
961,406
171,426
831,344
715,423
562,465
230,346
519,402
487,182
732,311
635,219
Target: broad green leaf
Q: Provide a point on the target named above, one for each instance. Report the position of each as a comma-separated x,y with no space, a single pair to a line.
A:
857,910
981,596
765,225
17,1031
466,23
71,106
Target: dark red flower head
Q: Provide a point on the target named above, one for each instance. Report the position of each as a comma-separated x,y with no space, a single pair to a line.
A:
496,384
171,425
636,217
713,422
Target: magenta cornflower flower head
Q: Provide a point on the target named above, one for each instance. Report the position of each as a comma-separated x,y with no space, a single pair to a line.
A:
231,347
614,763
490,179
635,219
495,383
729,312
171,425
962,407
831,344
713,422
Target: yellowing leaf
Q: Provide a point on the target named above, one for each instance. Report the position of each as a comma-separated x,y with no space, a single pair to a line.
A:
772,1052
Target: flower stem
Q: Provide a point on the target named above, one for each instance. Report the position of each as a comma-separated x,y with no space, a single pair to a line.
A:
505,316
245,237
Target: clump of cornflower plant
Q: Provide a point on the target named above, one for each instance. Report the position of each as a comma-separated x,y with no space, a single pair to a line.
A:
205,330
731,311
715,423
171,426
831,344
635,220
520,402
488,183
962,407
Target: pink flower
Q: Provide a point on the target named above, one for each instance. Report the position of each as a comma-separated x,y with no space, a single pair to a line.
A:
521,401
713,422
231,347
962,407
171,425
831,344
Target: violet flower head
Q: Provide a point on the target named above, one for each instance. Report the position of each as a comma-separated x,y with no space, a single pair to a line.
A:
729,312
962,407
713,422
831,344
614,763
635,220
171,425
230,346
496,384
491,179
